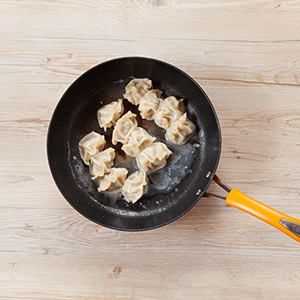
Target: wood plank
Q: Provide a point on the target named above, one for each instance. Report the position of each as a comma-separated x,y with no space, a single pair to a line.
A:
242,20
158,260
246,63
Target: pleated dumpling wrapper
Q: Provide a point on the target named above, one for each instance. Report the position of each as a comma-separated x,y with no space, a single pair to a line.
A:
154,157
113,181
150,104
138,140
136,89
102,162
90,145
135,186
109,114
181,130
170,111
123,128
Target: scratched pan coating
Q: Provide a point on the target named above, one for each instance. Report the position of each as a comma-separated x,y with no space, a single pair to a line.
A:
173,190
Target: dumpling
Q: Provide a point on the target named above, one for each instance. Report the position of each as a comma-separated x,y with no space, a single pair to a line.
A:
138,140
150,104
170,111
123,128
135,186
102,162
136,89
113,181
109,114
181,130
90,145
154,157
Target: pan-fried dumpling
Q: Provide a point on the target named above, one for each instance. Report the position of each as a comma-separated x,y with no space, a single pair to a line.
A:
90,145
135,186
136,89
170,111
109,114
138,140
123,128
154,157
150,104
102,162
181,130
113,181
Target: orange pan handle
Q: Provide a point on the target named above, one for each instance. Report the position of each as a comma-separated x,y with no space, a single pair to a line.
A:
288,225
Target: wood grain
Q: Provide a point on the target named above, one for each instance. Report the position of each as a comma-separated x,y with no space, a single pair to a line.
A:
246,56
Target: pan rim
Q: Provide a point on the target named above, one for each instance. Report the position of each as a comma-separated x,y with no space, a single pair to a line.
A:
60,186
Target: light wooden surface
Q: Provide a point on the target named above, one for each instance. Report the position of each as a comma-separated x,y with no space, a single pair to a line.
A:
246,56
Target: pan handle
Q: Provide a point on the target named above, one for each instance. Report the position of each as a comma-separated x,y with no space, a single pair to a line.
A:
288,225
284,223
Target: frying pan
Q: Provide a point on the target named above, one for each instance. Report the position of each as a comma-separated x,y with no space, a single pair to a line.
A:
189,171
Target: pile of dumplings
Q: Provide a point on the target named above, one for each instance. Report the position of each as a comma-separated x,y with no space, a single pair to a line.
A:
168,113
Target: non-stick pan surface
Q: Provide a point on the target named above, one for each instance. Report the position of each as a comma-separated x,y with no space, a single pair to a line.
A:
174,189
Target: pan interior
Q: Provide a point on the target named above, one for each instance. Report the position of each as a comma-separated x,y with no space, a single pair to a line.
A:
172,190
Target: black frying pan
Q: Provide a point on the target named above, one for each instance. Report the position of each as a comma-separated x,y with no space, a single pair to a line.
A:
191,168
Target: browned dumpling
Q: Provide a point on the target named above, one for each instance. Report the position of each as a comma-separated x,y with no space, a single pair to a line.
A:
123,128
138,140
135,186
150,104
181,130
154,157
136,89
90,145
102,162
170,111
113,181
109,114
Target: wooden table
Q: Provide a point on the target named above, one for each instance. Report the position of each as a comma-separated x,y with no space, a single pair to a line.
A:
246,56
